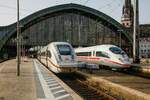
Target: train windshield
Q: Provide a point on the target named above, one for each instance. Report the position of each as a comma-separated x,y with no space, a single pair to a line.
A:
102,54
64,49
116,50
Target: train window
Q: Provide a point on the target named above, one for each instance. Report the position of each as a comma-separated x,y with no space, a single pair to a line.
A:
84,54
64,49
116,50
102,54
49,54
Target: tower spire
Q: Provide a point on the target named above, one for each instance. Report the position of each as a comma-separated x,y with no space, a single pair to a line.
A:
127,14
127,2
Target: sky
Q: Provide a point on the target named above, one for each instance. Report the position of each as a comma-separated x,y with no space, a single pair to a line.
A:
113,8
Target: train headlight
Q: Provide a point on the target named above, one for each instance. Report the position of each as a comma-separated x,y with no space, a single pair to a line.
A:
121,60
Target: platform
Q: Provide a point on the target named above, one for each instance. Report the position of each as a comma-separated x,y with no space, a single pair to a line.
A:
34,83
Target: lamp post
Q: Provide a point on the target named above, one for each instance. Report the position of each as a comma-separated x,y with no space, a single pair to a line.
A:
18,40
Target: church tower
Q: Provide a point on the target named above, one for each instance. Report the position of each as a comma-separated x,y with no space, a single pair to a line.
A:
127,14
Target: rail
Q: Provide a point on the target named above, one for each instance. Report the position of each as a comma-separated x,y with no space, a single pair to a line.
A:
78,84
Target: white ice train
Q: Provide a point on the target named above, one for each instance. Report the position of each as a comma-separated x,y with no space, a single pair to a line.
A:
107,55
59,57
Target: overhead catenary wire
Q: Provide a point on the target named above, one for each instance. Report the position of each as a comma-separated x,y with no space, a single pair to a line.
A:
107,5
114,8
14,8
23,12
86,1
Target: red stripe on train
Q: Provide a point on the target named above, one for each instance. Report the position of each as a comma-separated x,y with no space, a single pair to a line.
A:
98,59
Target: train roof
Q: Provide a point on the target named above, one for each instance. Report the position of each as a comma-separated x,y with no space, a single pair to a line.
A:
53,43
97,47
59,43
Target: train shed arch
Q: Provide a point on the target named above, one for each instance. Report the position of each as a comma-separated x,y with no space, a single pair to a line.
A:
64,23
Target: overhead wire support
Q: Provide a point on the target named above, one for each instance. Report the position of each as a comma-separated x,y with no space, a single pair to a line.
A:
136,57
18,40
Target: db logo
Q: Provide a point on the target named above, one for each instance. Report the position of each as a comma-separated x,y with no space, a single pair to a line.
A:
66,58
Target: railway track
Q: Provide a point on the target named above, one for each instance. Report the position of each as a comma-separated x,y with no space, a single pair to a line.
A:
79,85
137,73
129,71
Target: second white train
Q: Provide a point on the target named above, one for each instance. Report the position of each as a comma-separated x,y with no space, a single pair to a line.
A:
108,55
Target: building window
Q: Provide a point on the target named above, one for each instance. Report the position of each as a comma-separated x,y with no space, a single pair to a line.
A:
142,51
127,24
